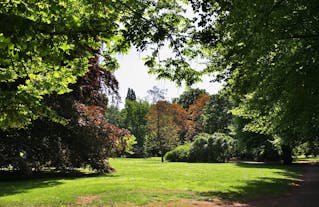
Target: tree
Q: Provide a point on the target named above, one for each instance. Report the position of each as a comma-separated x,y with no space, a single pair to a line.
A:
252,145
130,95
216,116
87,139
163,129
45,46
196,110
115,116
267,52
189,97
184,124
134,119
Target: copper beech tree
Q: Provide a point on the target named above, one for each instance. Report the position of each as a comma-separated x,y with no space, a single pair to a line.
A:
86,140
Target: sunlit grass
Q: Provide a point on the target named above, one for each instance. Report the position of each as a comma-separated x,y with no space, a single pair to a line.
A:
140,181
310,158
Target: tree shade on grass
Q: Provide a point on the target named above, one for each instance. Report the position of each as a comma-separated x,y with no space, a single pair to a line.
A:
140,181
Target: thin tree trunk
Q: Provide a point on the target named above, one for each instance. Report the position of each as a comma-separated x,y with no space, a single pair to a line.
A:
286,154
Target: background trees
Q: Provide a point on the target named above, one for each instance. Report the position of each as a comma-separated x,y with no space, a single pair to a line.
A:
163,130
189,97
135,120
216,116
195,111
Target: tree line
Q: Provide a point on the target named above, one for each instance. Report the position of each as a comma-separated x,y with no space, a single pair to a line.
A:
162,125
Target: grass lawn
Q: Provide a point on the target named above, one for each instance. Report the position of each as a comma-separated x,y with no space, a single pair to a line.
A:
141,181
310,158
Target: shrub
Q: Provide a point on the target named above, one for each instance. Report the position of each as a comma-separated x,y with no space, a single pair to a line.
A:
179,154
198,150
217,147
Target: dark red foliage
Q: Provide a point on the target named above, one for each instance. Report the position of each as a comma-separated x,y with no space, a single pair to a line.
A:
88,140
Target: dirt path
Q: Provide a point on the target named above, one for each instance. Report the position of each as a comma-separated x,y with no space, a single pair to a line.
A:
307,195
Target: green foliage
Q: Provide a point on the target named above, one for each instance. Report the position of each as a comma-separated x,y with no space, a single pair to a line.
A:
216,116
267,54
87,139
179,154
254,146
308,149
217,147
130,95
130,142
114,116
135,120
189,97
46,46
125,146
163,130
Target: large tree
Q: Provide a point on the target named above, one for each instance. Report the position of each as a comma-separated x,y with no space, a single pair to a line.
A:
163,129
268,53
87,139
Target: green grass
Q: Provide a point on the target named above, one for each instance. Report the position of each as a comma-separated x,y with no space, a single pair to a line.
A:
141,181
310,158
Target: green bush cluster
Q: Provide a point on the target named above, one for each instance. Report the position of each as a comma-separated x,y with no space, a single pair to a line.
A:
217,147
179,154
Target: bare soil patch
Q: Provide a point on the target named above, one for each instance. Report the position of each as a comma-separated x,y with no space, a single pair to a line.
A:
196,203
85,200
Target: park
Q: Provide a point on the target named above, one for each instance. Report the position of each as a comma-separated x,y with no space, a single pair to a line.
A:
69,136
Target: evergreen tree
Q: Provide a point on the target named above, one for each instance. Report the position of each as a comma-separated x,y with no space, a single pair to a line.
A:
130,95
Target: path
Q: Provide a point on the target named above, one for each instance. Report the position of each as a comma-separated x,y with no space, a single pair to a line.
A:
307,195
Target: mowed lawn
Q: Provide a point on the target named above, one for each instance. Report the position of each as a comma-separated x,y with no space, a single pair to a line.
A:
142,181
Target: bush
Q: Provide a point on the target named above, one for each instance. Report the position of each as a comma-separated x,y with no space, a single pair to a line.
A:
198,150
179,154
217,147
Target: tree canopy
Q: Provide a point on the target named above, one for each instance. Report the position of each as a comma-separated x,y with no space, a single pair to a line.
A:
267,54
45,46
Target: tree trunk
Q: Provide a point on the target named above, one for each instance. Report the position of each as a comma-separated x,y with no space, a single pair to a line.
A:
162,157
286,154
24,169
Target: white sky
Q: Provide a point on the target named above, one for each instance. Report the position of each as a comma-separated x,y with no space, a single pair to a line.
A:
133,74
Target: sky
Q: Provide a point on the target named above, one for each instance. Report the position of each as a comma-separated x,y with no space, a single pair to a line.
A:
133,74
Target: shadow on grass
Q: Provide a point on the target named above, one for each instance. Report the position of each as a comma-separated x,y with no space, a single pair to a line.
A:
13,183
263,186
292,171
